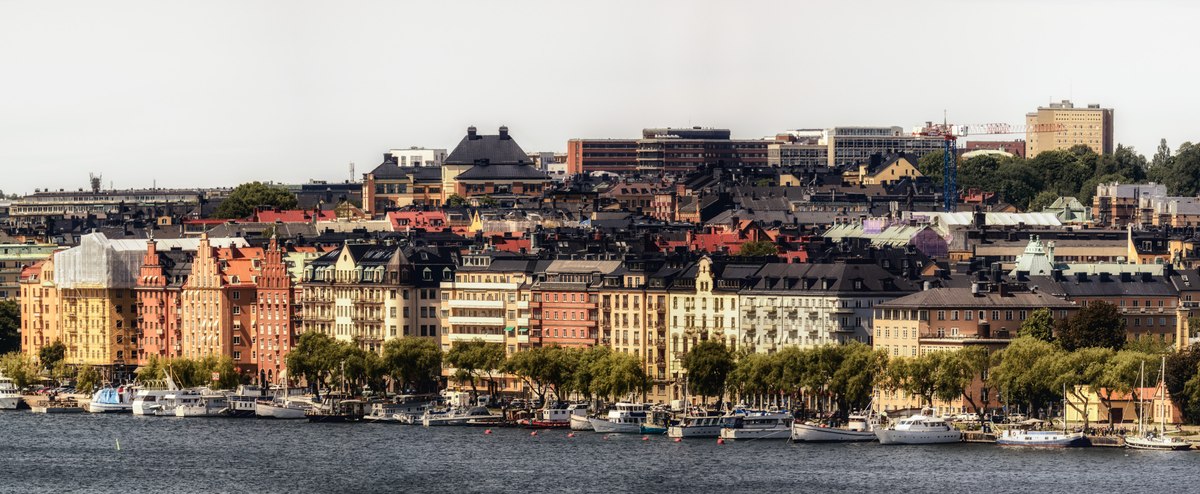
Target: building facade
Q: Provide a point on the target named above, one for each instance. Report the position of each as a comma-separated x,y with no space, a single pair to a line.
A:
1091,126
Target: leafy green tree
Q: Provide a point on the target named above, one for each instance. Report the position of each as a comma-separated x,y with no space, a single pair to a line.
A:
852,384
931,165
1121,375
1181,174
1162,157
1022,371
1182,366
1079,372
1039,324
473,360
1099,324
618,374
10,326
1042,201
88,380
583,377
50,355
755,374
916,376
414,363
456,201
957,370
708,365
313,358
245,198
758,249
19,367
533,367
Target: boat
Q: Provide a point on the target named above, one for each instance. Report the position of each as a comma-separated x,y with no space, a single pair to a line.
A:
859,428
10,396
460,416
202,405
334,408
282,408
170,401
758,425
408,409
149,398
1151,439
580,423
698,426
1042,439
243,402
919,429
657,422
112,400
555,418
624,418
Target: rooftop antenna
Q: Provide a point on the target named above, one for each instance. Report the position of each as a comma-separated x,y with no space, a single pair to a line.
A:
351,171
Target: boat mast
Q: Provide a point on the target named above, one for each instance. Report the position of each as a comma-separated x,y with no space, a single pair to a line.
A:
1141,405
1160,407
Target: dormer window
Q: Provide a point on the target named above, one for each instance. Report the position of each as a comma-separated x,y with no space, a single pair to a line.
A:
427,274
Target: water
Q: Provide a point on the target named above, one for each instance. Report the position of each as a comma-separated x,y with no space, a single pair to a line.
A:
78,453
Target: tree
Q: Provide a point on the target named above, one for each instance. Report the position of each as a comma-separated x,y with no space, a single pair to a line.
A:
50,355
1022,372
1039,325
916,376
618,374
582,378
456,201
533,366
313,358
957,370
1121,375
1162,157
852,384
1042,201
414,363
88,380
473,360
708,365
10,326
1182,366
245,198
19,367
1181,174
1082,371
758,249
1099,324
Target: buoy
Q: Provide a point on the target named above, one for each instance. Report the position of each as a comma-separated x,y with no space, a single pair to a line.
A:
645,438
118,444
533,433
720,440
489,431
605,438
678,439
570,434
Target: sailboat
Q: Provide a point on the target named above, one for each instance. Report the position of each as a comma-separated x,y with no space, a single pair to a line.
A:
1020,435
1152,439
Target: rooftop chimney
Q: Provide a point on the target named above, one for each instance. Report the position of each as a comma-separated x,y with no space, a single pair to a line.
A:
471,133
504,132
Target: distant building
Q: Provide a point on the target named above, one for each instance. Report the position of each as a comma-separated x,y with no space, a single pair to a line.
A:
13,259
417,156
1117,205
665,150
846,146
1091,126
1014,147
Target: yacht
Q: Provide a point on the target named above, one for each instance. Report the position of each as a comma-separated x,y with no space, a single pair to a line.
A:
112,400
580,422
172,400
408,409
459,416
859,428
1155,439
919,429
282,408
555,418
243,402
625,418
335,408
1044,439
699,426
202,405
10,396
150,398
759,425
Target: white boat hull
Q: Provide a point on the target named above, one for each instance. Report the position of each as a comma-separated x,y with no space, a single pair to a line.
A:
9,402
580,423
1155,444
266,410
817,434
606,427
199,411
890,436
685,432
94,407
747,434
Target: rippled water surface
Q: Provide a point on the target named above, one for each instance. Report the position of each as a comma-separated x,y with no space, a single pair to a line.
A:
78,453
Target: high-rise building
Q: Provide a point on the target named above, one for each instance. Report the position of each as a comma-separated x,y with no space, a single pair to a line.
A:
665,150
846,146
1091,126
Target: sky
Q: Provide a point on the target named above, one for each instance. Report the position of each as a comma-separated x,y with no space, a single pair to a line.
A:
216,93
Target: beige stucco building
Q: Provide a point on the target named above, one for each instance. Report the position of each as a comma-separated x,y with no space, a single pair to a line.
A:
1091,126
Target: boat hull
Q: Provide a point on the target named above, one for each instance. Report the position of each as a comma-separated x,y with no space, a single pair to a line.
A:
890,436
606,427
749,434
268,411
9,402
1055,441
1155,444
686,432
806,433
580,423
652,429
110,407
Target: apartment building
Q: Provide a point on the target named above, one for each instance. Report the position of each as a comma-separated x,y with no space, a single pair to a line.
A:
1091,126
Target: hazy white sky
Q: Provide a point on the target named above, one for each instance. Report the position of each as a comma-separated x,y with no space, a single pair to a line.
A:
217,93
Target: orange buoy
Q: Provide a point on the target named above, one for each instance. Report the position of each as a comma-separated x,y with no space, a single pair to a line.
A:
533,433
720,440
570,434
678,439
645,438
489,431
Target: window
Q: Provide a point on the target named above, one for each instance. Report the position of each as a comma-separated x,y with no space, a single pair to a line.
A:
941,314
237,310
236,295
237,340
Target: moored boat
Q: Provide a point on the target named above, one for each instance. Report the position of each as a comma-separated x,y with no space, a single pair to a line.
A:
859,428
282,408
1043,439
758,425
624,418
334,408
580,423
202,405
1150,439
460,416
918,429
698,426
112,400
10,396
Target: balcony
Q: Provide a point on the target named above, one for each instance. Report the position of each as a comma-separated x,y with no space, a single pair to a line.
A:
475,321
489,338
479,286
476,304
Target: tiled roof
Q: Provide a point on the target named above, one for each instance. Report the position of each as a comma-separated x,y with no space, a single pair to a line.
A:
496,149
962,297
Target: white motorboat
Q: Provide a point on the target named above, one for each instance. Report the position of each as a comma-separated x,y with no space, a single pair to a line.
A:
699,426
202,405
625,418
580,422
919,429
10,396
859,428
150,398
459,416
243,402
112,400
758,425
287,408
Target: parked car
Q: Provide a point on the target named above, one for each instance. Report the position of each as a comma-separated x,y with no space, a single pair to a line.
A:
968,417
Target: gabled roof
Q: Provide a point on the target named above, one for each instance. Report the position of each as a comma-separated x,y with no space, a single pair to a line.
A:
491,171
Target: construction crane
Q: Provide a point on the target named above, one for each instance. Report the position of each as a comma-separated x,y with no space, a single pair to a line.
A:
950,134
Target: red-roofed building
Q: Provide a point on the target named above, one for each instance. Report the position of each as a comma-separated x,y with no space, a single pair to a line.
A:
292,216
403,221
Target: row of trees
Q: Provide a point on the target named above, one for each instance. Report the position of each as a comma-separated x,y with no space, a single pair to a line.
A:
409,363
214,372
